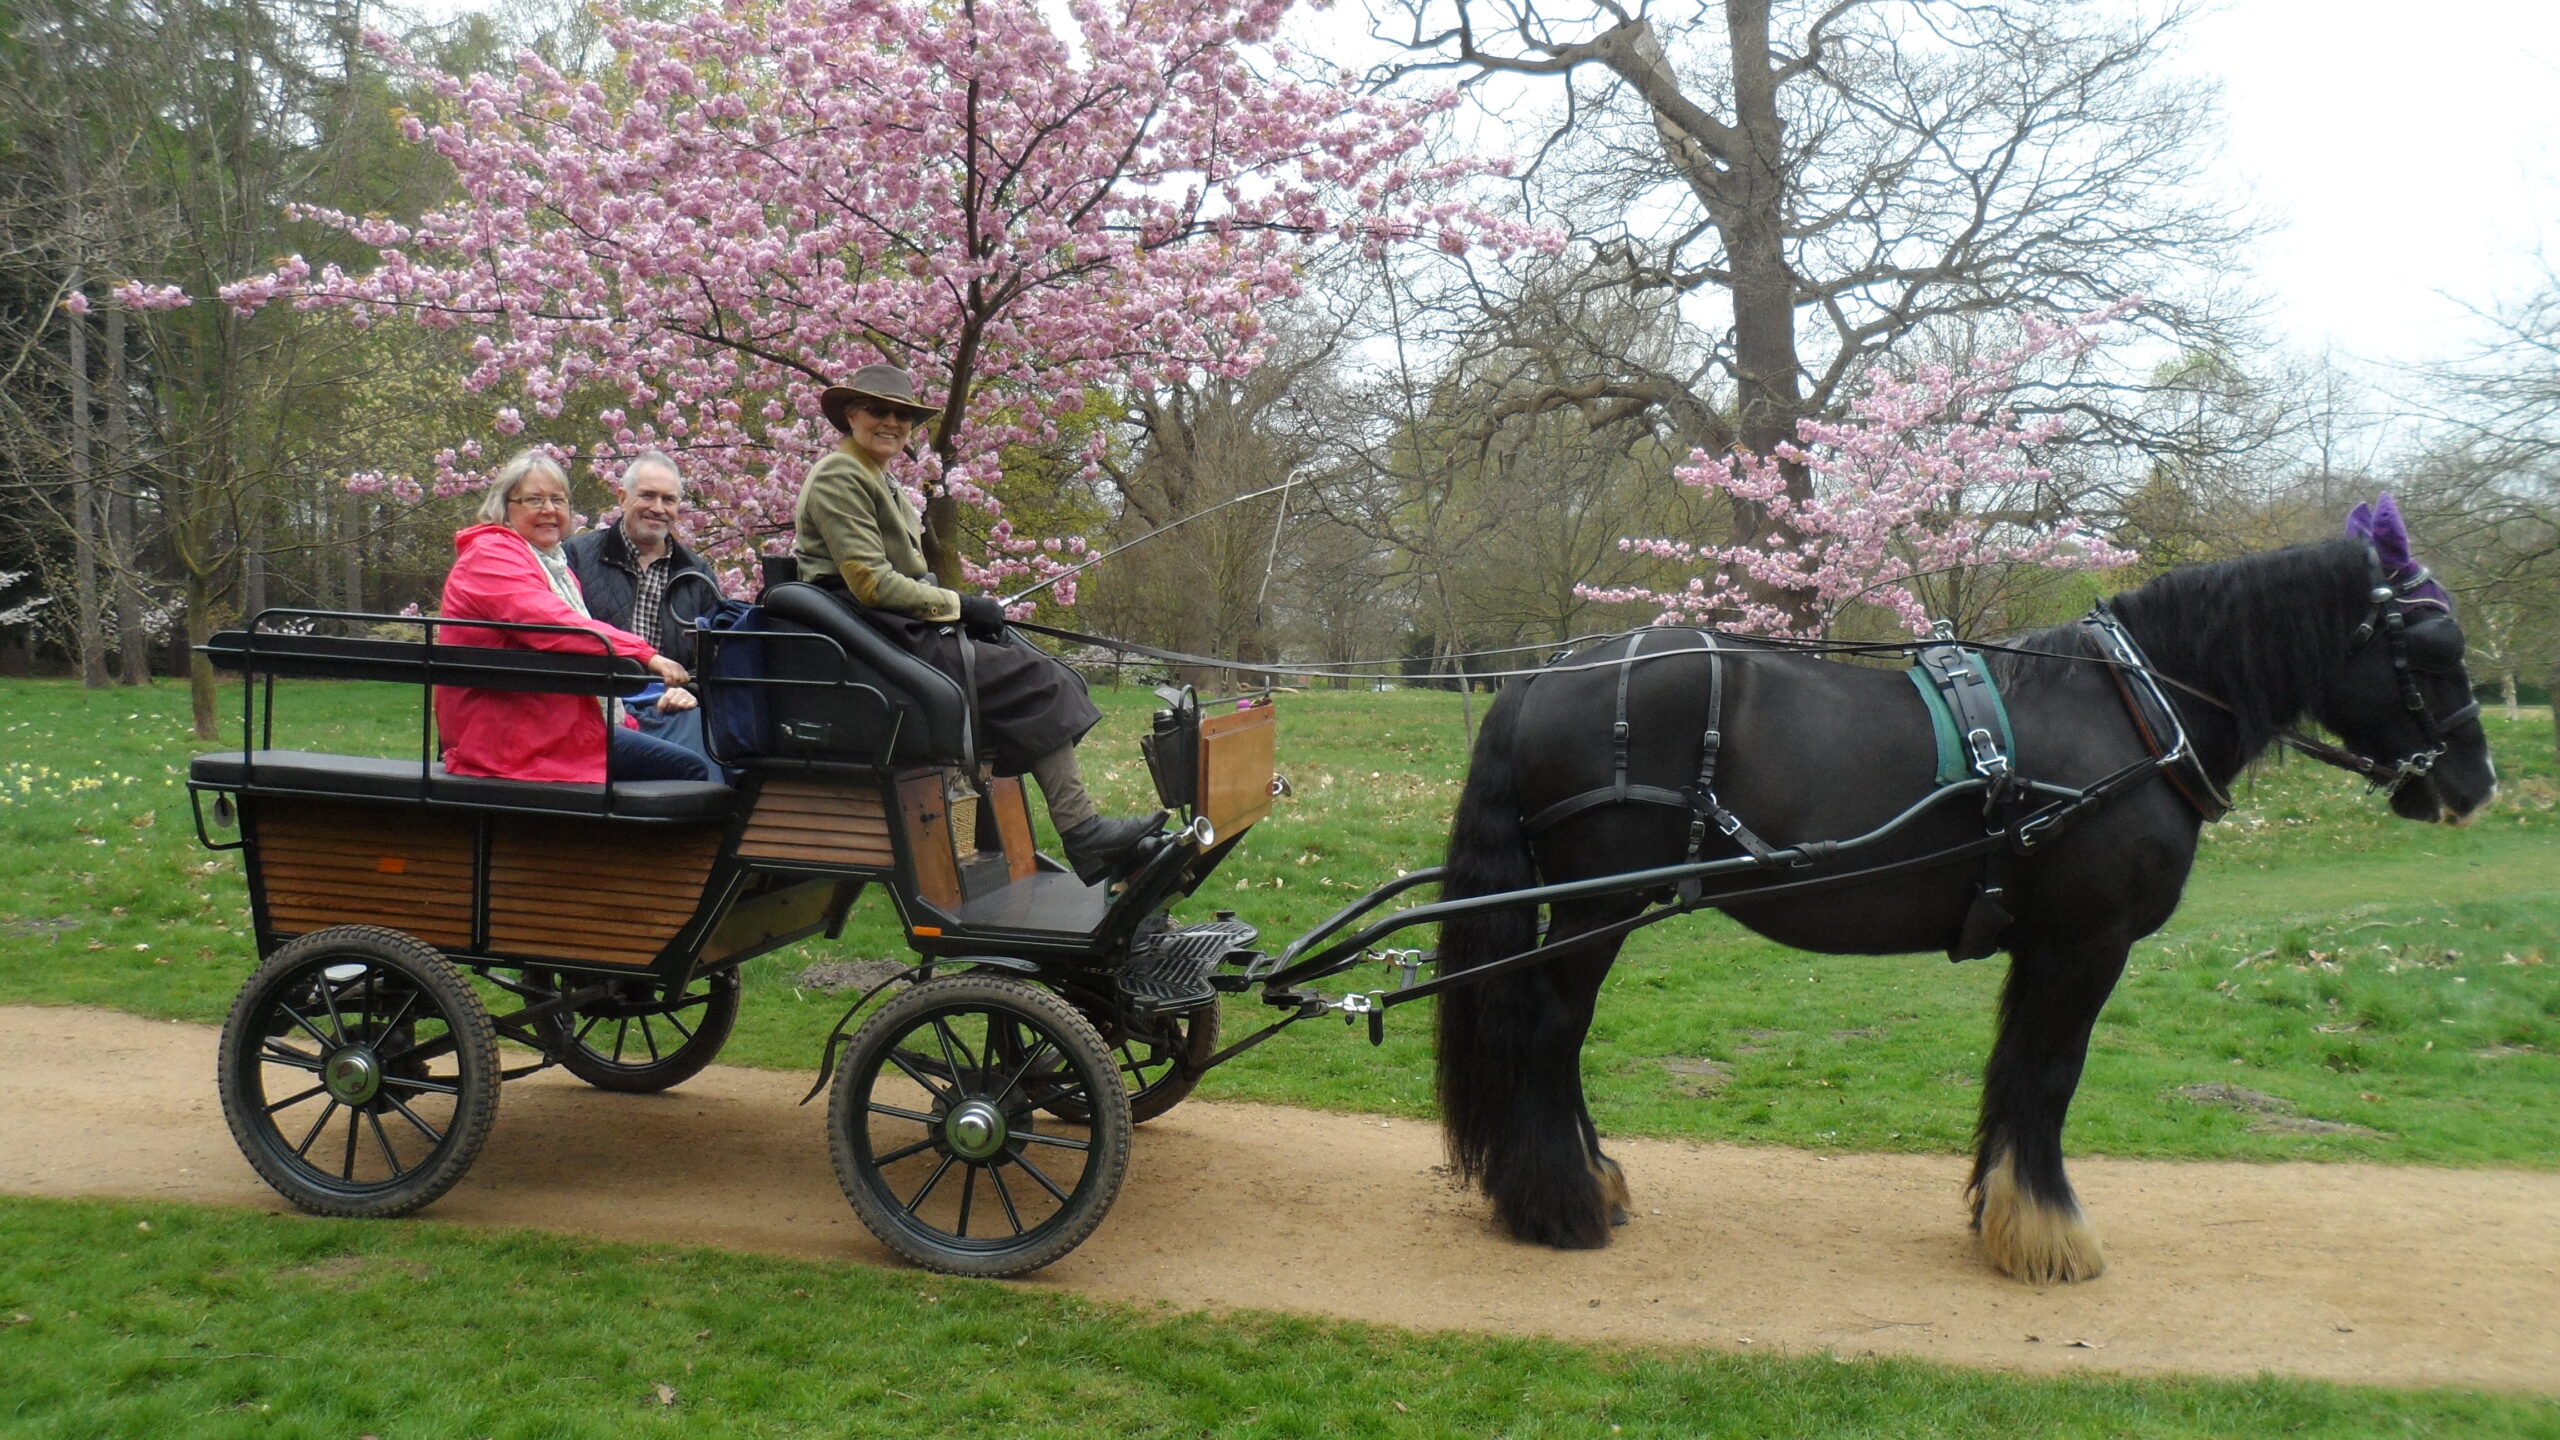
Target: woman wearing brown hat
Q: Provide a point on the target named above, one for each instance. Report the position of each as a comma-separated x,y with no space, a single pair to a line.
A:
856,528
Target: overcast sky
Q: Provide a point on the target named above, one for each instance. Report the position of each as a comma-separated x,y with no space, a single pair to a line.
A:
2409,151
2413,149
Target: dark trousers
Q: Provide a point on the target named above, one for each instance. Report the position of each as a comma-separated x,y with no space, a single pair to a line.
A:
632,755
682,728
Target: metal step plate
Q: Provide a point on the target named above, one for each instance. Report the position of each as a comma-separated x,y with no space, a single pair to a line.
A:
1170,969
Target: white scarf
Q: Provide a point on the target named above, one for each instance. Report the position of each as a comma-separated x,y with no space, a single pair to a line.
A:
555,568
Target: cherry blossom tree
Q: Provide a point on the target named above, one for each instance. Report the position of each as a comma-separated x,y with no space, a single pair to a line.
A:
766,194
1927,474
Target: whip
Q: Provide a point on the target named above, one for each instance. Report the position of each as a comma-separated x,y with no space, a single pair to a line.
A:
1019,596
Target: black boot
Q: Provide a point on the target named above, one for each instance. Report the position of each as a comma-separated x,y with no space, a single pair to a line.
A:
1102,848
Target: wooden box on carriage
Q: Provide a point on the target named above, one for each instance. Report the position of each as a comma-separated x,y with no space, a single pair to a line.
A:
568,888
1237,752
828,821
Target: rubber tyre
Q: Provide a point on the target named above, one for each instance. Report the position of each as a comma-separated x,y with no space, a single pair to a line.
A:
368,1029
710,1022
1157,1077
1006,1049
1160,1083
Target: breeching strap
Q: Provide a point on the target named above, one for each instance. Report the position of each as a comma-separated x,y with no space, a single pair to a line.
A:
1705,810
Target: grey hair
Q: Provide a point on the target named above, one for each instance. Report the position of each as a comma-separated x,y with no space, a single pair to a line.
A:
493,501
659,458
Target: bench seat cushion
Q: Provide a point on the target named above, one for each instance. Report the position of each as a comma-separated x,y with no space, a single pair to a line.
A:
367,777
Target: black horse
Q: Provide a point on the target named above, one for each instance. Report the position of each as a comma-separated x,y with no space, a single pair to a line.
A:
1814,749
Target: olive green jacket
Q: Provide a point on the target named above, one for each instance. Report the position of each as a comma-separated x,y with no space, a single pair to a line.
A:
852,520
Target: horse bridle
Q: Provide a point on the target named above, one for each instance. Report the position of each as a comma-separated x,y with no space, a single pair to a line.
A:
2390,599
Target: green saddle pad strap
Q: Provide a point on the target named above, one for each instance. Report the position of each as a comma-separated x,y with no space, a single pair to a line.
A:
1954,763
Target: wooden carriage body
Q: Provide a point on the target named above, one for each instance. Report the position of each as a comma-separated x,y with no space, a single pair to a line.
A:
669,880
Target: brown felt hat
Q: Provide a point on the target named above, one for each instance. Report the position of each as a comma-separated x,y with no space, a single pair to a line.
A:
875,384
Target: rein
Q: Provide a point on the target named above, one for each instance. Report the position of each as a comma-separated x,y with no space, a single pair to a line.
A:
2136,679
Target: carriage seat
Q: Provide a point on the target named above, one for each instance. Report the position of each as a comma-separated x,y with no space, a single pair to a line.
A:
849,724
365,777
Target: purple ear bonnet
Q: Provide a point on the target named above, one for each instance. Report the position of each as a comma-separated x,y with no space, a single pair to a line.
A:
2381,524
2391,535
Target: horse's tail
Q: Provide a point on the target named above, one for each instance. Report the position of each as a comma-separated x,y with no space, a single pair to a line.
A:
1487,1031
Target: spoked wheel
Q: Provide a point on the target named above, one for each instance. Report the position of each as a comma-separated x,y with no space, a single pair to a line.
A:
938,1139
638,1040
1161,1060
359,1072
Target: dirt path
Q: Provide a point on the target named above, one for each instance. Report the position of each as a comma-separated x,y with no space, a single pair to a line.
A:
2337,1272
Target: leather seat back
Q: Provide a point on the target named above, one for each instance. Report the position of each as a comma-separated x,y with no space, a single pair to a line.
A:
840,721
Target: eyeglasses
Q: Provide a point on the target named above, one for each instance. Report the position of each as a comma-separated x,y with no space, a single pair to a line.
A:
887,412
540,502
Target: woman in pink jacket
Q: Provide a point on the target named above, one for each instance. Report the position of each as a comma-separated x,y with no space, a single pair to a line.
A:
510,567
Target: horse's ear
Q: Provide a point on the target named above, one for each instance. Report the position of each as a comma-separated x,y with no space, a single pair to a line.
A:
2390,534
2436,644
2360,523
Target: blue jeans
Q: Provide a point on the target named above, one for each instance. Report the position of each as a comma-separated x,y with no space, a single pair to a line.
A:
683,728
631,755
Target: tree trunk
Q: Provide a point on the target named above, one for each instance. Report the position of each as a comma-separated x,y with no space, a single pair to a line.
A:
200,686
88,633
124,548
91,631
1458,667
1740,179
351,538
253,562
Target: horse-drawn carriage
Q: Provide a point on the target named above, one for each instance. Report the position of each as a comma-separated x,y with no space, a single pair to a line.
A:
981,1115
980,1119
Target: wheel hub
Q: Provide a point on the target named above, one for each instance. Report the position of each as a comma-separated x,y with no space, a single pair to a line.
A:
353,1074
974,1130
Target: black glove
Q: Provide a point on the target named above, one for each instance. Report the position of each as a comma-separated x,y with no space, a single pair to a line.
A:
981,617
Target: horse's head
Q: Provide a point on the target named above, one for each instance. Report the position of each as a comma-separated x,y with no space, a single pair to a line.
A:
2403,700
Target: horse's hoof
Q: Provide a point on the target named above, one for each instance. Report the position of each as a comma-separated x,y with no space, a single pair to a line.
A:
1613,1188
2034,1240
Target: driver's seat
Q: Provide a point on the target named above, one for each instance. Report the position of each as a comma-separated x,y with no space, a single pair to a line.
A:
930,713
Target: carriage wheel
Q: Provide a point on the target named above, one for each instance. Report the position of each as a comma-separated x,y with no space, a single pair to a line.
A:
1159,1065
639,1041
359,1072
936,1131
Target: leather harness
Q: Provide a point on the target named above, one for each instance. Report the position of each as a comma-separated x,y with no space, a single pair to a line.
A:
1957,688
1705,810
2155,720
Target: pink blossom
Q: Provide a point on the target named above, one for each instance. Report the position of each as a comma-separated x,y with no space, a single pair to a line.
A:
134,295
1901,487
1074,197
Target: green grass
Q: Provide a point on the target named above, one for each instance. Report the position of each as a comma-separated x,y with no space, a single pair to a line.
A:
2393,988
2393,977
120,1320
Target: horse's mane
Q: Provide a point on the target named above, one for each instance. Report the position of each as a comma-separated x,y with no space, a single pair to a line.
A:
2258,633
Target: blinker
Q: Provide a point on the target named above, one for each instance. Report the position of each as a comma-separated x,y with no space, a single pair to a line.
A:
2435,645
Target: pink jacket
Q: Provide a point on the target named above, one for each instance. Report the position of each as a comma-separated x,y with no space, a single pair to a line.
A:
514,734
